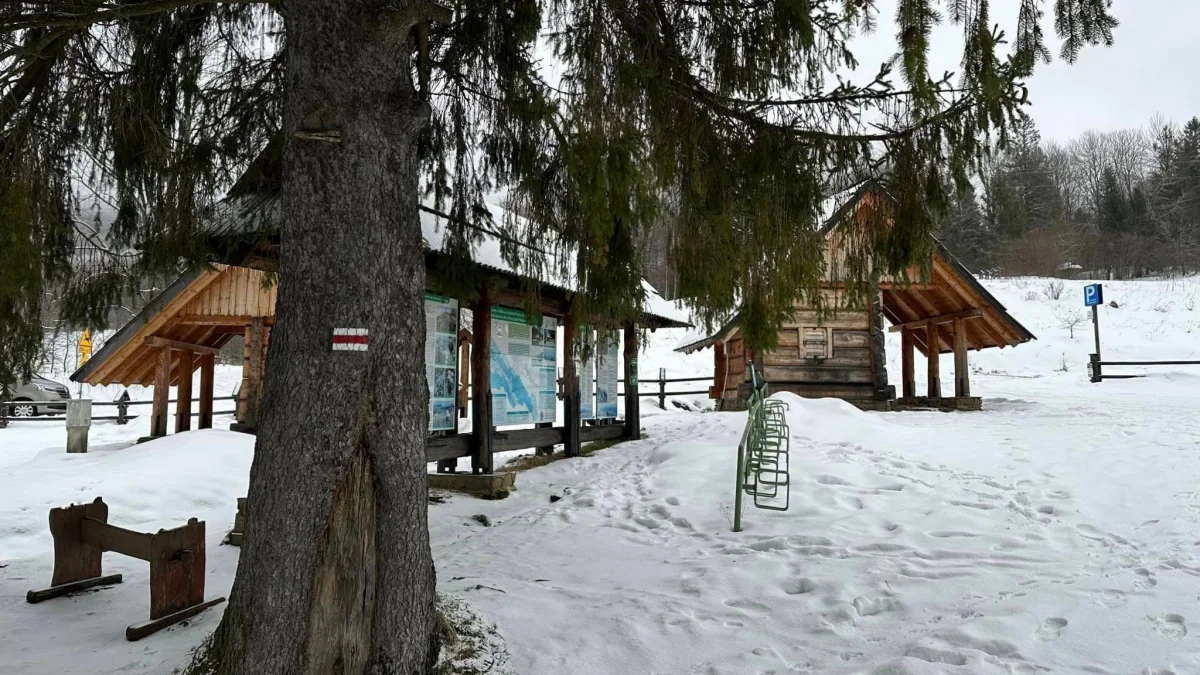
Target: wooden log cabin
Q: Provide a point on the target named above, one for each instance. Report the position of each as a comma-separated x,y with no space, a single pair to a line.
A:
841,352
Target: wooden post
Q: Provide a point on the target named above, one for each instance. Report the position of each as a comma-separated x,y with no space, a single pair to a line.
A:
934,386
244,387
481,384
183,394
255,374
464,372
962,375
205,418
162,393
633,419
571,412
908,376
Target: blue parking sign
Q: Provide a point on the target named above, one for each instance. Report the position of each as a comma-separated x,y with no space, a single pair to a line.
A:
1093,294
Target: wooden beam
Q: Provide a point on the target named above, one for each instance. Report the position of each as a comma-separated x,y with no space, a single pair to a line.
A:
155,341
1001,333
183,394
233,320
907,356
162,393
962,376
207,366
571,412
633,419
933,360
481,383
945,318
255,374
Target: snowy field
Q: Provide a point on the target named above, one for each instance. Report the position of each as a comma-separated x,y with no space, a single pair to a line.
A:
1056,531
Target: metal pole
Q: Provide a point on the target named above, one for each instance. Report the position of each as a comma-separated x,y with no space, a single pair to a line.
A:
737,495
1096,328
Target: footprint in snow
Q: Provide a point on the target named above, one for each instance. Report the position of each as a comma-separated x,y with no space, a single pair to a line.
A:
1170,626
1051,629
1145,578
1113,599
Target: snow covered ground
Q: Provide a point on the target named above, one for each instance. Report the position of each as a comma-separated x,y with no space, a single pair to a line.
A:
1056,531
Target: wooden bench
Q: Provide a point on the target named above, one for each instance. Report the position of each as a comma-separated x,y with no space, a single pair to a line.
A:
82,535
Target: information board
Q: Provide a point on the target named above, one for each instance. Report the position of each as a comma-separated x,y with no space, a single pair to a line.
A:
441,360
524,368
606,377
587,378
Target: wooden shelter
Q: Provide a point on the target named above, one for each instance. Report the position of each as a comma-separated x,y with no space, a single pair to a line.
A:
181,331
840,352
183,328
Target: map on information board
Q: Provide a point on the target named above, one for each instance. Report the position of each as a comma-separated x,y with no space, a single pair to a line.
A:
587,379
606,377
441,360
524,368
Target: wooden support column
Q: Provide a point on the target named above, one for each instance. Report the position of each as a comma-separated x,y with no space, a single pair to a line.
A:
633,419
481,384
205,418
162,393
934,386
571,421
244,386
464,372
962,376
254,388
908,377
183,394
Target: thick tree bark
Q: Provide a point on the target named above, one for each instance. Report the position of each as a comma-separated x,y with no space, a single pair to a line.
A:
336,574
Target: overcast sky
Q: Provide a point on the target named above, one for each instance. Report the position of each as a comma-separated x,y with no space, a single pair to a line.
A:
1154,67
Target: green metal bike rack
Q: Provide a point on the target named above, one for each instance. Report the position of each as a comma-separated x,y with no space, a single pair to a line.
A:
762,461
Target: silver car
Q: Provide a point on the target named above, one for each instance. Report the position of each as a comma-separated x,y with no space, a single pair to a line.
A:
38,396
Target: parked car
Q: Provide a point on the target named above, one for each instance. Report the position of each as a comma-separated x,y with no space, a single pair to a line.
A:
38,396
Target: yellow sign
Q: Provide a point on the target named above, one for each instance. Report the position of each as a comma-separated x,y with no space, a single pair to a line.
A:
85,346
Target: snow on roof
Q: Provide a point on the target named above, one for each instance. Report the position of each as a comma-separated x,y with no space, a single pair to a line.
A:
257,214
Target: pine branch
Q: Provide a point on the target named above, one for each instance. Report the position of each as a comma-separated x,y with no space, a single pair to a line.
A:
59,14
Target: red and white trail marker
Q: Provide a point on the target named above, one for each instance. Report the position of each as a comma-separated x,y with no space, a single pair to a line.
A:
350,339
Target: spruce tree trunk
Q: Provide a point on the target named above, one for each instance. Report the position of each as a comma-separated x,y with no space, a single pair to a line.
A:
336,574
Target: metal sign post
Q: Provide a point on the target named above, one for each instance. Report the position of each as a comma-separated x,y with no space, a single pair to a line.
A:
1093,296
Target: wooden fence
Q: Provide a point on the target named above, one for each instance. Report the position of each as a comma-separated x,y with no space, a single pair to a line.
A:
122,416
1096,368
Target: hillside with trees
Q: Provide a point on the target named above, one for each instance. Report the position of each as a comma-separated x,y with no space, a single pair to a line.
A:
1120,204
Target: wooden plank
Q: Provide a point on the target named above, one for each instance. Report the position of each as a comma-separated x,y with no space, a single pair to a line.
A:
162,391
441,448
962,376
851,357
934,385
859,319
851,338
34,597
781,374
601,432
907,358
117,539
231,320
156,341
138,631
633,420
944,318
519,439
481,383
183,394
207,367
